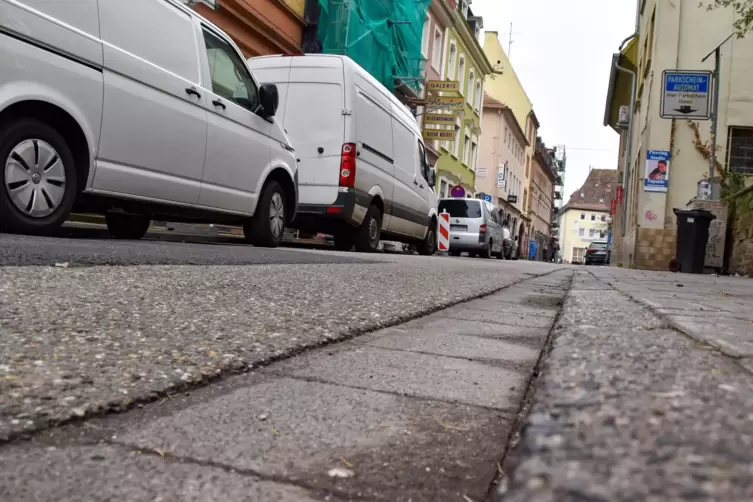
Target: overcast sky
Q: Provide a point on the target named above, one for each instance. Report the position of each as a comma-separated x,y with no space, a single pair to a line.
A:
561,52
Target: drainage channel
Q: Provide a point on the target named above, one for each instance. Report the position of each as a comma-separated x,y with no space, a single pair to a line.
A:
421,411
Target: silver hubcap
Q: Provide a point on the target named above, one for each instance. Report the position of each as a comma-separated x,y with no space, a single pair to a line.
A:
373,230
35,178
276,215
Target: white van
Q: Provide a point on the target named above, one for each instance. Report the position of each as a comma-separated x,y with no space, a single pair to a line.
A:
137,109
363,168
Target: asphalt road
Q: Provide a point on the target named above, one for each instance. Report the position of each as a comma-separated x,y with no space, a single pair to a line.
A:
92,246
85,338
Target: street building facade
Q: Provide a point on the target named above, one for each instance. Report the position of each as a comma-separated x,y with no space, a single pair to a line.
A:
436,25
560,159
258,27
504,86
542,199
663,159
586,216
501,167
466,64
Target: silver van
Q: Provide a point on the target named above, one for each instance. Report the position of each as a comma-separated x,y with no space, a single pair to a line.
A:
475,227
138,110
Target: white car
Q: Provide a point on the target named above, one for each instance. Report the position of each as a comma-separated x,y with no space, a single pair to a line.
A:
137,109
364,175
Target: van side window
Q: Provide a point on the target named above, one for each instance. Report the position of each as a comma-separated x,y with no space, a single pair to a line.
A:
230,77
425,168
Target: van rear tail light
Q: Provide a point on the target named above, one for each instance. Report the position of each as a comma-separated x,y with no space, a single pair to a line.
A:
348,165
591,250
482,229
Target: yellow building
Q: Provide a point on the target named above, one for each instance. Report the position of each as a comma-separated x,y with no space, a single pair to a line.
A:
505,87
585,218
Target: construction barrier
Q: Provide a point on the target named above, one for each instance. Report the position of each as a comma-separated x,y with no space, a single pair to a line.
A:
443,235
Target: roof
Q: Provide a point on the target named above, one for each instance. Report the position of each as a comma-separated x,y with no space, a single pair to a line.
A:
535,119
490,102
618,93
596,193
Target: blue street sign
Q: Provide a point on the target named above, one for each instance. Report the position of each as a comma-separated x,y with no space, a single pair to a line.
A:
457,192
487,197
686,94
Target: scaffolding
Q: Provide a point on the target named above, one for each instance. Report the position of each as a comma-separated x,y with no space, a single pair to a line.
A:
383,36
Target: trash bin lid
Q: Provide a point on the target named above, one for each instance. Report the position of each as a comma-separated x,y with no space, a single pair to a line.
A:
695,213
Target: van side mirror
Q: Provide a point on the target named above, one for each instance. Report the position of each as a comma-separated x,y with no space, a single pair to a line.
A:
269,99
432,178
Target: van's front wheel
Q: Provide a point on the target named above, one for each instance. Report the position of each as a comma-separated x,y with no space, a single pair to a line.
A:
267,226
369,233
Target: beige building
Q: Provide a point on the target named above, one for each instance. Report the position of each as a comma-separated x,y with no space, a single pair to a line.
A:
674,36
501,164
586,217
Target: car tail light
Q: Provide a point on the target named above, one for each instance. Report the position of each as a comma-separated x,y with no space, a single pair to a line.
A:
482,229
591,250
348,165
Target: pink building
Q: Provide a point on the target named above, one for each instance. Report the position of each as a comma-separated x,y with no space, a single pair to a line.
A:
501,162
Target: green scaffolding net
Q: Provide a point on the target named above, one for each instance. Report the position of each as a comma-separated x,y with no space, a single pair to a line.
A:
383,36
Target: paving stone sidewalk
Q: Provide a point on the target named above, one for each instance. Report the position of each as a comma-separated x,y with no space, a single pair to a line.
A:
646,395
418,412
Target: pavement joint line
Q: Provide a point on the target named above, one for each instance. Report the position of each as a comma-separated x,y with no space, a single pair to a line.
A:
528,395
244,368
511,365
167,456
490,322
673,325
414,397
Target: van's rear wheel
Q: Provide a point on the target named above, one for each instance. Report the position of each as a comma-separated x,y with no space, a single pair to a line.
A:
429,245
38,175
370,231
267,226
486,253
127,226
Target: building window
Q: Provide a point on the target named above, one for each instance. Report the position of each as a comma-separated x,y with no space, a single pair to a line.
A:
469,88
461,73
592,233
456,143
452,62
443,188
474,154
479,96
581,232
740,157
425,38
593,217
603,217
466,150
436,50
582,216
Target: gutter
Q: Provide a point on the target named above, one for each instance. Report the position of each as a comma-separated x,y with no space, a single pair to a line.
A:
631,117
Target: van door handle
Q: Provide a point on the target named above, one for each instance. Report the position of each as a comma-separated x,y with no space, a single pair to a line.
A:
219,103
193,92
421,186
415,182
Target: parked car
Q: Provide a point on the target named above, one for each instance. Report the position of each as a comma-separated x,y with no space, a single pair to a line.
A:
138,110
597,253
475,227
364,175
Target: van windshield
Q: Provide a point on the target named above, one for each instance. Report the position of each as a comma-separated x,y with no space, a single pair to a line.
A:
460,208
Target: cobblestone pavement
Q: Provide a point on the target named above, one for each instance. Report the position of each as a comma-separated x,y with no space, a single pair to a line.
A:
647,394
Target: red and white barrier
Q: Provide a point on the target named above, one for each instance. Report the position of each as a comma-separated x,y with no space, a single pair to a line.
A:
443,235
